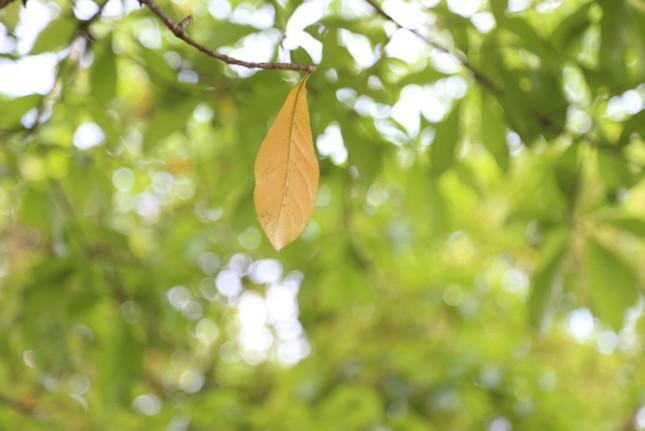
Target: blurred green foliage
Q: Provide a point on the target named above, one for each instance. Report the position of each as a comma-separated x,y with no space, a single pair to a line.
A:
483,269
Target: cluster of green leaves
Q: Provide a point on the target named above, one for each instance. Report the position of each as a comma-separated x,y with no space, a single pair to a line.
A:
446,269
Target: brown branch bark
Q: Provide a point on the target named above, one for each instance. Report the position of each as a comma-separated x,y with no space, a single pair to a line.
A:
4,3
16,405
21,407
178,29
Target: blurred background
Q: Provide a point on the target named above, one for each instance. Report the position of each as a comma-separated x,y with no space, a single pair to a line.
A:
476,259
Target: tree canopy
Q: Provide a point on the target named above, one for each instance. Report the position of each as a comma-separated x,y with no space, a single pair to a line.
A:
475,257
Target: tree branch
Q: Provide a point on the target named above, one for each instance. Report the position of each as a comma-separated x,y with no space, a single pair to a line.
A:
178,30
16,405
460,57
60,196
4,3
542,119
26,409
83,29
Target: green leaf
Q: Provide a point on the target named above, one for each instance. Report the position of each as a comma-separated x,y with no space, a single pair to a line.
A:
572,27
614,171
226,33
635,226
10,15
334,54
529,39
157,67
46,311
36,207
107,122
443,150
365,147
55,36
638,33
612,283
493,130
424,76
301,56
546,282
499,8
538,109
351,406
469,179
347,287
614,36
457,25
166,121
14,109
567,174
120,363
635,125
103,75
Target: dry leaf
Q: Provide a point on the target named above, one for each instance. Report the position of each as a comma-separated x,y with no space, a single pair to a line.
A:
286,172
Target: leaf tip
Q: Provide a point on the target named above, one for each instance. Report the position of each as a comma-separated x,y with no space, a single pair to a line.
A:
277,244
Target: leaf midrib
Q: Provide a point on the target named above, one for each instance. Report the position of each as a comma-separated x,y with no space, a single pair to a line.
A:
287,173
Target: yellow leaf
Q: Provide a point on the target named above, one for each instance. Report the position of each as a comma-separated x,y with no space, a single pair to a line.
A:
286,172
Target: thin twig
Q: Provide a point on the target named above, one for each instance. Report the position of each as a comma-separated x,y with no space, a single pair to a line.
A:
19,406
29,410
83,30
178,30
86,248
543,120
459,56
4,3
